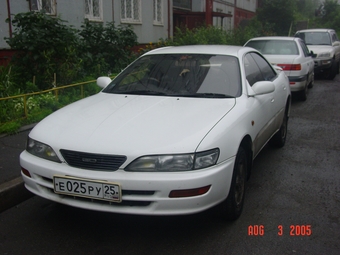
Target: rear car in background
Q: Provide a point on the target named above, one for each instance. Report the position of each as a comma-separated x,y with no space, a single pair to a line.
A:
293,56
326,45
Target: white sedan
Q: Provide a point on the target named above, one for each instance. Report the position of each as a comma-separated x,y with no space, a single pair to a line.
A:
176,132
292,55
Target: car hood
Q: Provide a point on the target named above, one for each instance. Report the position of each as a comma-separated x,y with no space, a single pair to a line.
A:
320,48
131,124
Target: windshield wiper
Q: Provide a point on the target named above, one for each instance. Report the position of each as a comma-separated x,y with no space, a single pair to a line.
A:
141,92
211,95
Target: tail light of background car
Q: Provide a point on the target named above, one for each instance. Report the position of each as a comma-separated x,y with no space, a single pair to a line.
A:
290,67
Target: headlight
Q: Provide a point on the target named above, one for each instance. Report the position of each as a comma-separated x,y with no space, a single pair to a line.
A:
206,158
324,55
174,163
41,150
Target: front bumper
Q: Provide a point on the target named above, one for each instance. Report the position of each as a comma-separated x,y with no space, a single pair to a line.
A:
321,64
143,193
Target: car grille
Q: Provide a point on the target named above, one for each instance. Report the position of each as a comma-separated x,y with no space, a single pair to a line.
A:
93,161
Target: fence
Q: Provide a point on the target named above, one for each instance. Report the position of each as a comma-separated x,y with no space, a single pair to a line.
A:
13,115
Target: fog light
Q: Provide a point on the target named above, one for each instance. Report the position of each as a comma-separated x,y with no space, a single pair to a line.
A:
25,172
189,192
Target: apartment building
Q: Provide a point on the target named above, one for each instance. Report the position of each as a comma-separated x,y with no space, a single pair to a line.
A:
150,19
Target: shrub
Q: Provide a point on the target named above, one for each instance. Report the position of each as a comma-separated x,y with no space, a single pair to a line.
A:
46,46
200,35
10,127
106,49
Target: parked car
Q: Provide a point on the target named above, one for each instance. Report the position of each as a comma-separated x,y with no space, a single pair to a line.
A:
293,56
176,132
326,45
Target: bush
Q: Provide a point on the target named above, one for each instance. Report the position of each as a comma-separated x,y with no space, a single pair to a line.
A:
106,49
46,46
10,127
57,54
200,35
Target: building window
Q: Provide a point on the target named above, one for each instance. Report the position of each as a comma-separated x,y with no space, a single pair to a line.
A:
131,11
47,6
94,10
158,12
182,4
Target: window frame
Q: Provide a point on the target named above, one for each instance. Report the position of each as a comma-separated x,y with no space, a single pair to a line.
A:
156,20
132,20
305,49
260,73
37,5
90,16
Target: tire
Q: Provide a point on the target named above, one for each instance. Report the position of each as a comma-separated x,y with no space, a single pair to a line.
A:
303,93
231,208
279,139
311,83
332,72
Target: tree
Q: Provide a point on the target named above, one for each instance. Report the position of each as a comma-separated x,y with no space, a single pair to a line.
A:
331,19
279,13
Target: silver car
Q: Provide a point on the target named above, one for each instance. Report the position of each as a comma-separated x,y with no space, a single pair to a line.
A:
293,56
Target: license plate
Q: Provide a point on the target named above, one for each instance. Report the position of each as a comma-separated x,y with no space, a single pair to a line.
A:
87,188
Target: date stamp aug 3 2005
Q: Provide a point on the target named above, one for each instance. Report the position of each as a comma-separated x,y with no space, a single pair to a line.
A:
294,230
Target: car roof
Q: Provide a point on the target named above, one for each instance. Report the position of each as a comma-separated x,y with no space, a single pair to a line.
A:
315,30
202,49
288,38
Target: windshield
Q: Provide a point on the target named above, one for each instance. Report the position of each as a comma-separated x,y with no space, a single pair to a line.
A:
190,75
315,38
274,47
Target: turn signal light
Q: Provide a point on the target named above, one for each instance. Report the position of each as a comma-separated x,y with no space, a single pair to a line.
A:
189,192
287,67
25,172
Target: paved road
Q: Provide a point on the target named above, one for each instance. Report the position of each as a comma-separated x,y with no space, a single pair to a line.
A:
10,149
292,191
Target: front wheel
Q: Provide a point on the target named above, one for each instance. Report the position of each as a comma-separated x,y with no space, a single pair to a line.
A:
232,207
332,72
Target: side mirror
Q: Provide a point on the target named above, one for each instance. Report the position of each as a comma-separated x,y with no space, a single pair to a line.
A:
336,43
312,54
263,87
103,81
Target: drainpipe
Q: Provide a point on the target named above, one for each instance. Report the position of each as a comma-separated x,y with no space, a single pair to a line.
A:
208,12
113,13
169,20
9,18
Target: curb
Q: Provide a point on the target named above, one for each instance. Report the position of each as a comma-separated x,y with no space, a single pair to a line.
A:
12,193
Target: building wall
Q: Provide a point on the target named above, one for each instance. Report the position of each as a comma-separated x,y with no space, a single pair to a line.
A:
15,7
147,31
73,11
249,5
244,10
225,7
